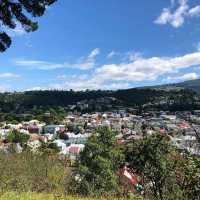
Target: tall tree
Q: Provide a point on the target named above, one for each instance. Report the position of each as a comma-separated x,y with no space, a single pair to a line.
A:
13,12
98,165
151,158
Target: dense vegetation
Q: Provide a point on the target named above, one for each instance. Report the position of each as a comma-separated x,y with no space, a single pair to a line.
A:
163,171
38,102
36,196
98,165
166,173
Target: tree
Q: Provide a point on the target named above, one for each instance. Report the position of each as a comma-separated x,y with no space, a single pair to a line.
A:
151,158
98,164
191,177
15,12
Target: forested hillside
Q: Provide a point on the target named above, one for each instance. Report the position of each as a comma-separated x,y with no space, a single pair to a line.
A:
179,99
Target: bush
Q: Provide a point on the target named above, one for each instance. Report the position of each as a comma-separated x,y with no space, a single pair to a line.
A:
28,172
17,137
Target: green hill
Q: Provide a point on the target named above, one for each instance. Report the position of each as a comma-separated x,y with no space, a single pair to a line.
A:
158,98
190,84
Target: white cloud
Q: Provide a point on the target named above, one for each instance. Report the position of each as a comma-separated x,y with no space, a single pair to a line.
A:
177,18
84,83
39,64
189,76
146,68
136,68
184,77
83,63
164,17
132,56
94,53
36,88
111,54
195,12
124,75
86,63
9,75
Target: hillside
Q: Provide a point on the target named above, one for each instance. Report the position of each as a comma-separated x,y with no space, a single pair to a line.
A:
176,99
190,84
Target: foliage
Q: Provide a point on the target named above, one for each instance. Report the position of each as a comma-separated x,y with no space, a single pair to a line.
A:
17,137
42,196
152,159
191,177
36,177
49,148
22,106
30,172
13,13
99,162
164,172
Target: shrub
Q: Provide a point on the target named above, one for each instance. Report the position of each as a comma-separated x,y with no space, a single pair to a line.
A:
17,137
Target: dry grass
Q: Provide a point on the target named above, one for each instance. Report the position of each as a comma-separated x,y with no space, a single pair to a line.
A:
40,196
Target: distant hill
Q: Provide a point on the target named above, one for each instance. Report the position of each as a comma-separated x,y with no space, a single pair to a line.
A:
191,84
179,96
166,97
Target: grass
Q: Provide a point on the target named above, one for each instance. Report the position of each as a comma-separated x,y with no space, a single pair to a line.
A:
41,196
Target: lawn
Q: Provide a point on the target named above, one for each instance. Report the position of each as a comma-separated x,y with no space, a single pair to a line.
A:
36,196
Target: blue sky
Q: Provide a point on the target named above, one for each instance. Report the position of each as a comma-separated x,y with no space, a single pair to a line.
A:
105,44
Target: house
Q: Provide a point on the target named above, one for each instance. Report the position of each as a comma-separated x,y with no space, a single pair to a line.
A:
77,139
54,129
34,129
129,180
74,150
62,146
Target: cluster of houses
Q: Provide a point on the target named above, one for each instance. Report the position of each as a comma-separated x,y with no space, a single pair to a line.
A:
183,129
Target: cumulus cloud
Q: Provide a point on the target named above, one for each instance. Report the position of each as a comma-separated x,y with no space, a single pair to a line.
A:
177,17
195,12
184,77
146,68
83,63
135,69
124,75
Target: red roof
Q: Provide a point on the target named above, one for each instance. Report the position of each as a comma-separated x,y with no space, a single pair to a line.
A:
128,175
74,150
